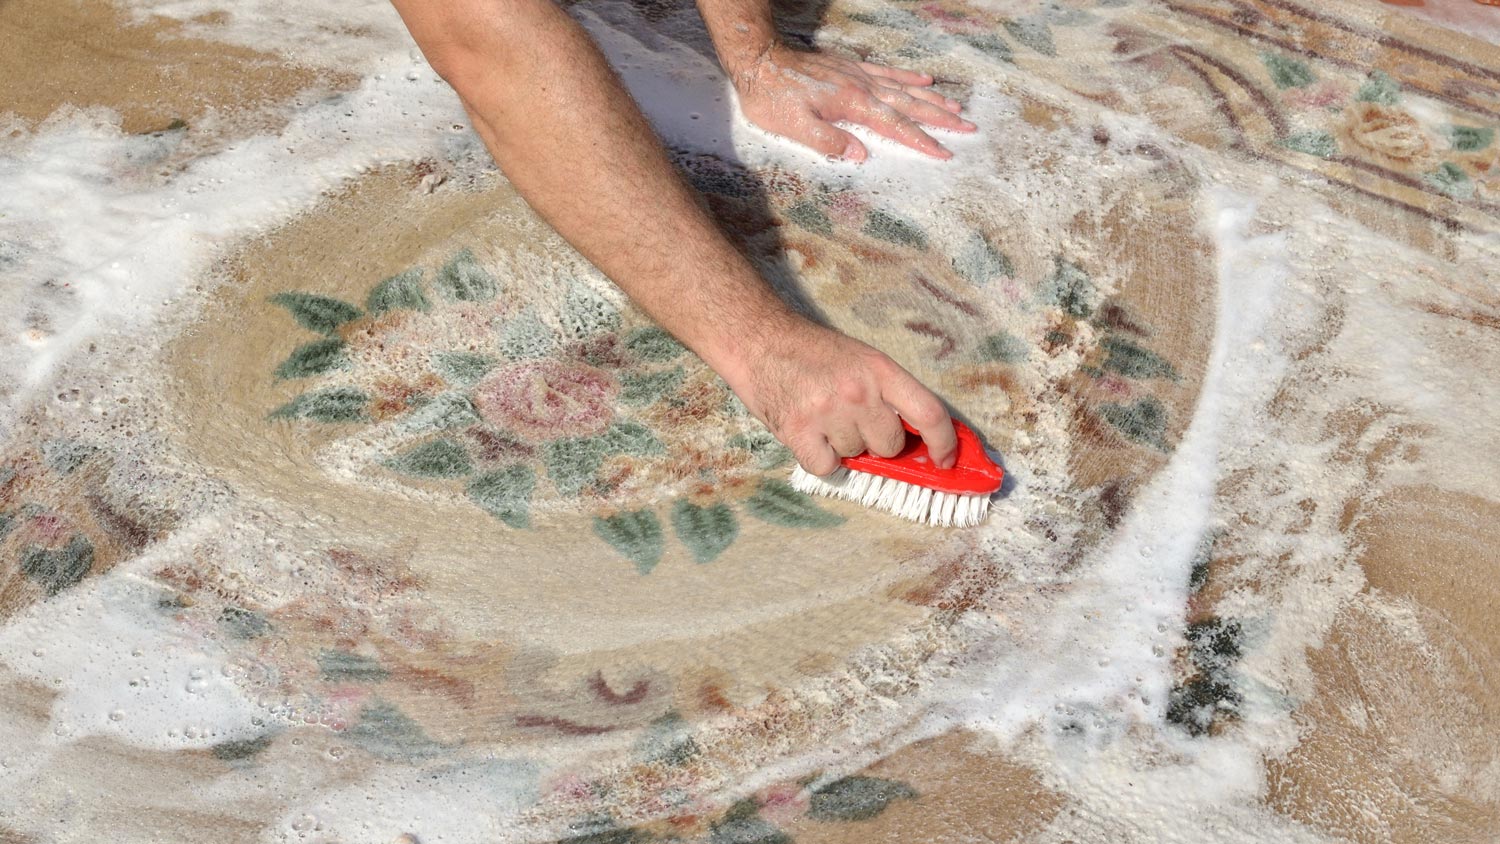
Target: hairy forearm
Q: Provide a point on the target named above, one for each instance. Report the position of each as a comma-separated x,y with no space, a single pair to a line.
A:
569,138
743,31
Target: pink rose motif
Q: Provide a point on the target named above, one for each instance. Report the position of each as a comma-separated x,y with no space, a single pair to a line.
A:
548,399
1319,95
782,804
950,20
847,207
1115,385
47,529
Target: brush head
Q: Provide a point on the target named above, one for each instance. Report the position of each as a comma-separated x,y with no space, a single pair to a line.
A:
907,500
910,486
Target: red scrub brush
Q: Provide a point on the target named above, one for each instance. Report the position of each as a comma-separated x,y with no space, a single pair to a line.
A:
910,486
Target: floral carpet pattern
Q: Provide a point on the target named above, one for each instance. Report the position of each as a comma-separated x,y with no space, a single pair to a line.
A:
415,501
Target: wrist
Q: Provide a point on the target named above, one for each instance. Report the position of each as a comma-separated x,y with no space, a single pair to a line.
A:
745,50
735,351
742,61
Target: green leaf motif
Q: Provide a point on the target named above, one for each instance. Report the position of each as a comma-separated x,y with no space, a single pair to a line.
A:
337,404
1132,361
604,830
313,358
1069,288
586,313
436,459
462,279
1470,138
638,389
653,344
742,824
634,533
506,494
317,313
1287,72
348,667
1004,347
464,368
808,215
1452,180
572,461
980,262
856,798
527,337
231,751
55,569
242,623
895,230
444,411
1316,143
387,732
733,406
1144,421
403,290
1203,557
631,438
735,183
776,502
764,447
706,531
989,44
1380,89
1034,33
7,524
890,18
65,456
667,741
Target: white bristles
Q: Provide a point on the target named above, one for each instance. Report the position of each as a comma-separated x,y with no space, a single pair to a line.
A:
909,501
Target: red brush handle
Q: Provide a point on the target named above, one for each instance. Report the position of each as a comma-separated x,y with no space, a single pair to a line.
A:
973,473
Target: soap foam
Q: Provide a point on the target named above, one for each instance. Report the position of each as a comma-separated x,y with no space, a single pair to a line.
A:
98,244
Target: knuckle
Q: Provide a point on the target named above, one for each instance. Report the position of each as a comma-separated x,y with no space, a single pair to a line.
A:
821,404
853,391
879,362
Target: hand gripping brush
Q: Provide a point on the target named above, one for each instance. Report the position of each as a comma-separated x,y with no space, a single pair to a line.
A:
910,486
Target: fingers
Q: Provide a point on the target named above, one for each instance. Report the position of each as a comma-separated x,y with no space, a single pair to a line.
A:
886,121
923,111
830,139
905,77
919,407
921,93
845,440
882,432
815,455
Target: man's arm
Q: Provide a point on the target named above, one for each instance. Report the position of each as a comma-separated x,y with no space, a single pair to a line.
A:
571,140
801,95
